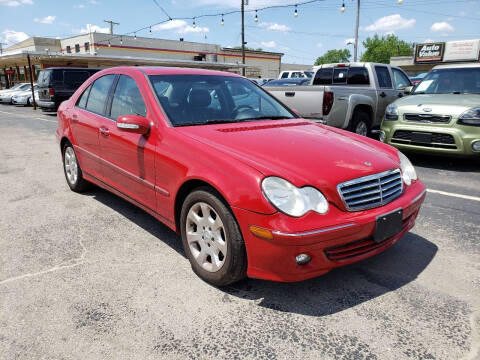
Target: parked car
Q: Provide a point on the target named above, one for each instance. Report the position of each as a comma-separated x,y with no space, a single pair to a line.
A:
253,189
288,82
442,116
350,96
260,81
14,87
57,84
417,78
25,97
6,95
295,74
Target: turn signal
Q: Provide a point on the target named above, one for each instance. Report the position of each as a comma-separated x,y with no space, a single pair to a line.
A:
261,232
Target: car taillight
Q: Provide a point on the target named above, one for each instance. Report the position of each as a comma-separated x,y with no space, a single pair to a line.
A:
51,91
327,102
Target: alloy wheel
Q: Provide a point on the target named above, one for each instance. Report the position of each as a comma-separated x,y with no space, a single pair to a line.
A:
361,128
71,165
206,236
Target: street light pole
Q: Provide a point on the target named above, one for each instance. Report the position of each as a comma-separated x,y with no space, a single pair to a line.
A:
355,50
243,36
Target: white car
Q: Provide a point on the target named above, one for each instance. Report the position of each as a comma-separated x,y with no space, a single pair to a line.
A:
25,97
288,74
14,87
6,96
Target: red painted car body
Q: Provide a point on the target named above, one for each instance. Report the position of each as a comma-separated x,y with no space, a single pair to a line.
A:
155,172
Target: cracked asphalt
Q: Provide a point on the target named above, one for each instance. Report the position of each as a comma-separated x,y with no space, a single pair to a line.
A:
92,277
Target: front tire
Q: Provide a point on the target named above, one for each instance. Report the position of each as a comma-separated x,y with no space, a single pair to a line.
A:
72,170
212,239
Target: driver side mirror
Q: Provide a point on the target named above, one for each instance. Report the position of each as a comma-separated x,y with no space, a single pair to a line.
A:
408,89
133,124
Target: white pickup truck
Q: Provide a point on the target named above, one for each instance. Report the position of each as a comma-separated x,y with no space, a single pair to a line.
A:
350,96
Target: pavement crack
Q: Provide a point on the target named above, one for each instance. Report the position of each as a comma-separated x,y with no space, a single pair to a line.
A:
64,265
475,348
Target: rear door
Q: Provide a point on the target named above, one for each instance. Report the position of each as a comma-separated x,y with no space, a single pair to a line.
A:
386,94
128,158
86,119
401,81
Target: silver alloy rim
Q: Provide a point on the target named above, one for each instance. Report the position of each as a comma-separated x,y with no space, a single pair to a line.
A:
361,128
71,166
206,237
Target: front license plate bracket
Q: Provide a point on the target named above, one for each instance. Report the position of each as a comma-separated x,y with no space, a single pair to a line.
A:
388,225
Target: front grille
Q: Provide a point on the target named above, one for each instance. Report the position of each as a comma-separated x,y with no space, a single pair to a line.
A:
360,247
433,140
371,191
427,118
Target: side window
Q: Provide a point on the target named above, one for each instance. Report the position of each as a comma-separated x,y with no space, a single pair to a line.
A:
127,99
285,75
296,74
69,49
99,93
340,75
73,79
383,75
82,100
358,76
323,77
401,80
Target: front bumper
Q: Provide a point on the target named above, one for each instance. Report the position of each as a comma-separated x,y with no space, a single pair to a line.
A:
463,136
336,239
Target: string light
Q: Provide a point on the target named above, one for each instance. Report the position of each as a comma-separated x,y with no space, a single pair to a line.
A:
223,22
194,25
256,16
135,36
343,8
121,40
109,45
150,30
295,14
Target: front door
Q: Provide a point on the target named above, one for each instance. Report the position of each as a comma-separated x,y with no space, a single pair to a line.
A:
128,158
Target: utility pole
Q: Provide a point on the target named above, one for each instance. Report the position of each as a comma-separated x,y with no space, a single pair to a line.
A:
355,50
243,35
111,25
1,47
34,101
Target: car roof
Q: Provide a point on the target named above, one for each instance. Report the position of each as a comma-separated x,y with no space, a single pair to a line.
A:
457,66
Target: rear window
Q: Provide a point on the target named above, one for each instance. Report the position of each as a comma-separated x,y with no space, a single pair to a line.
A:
340,75
44,77
358,76
383,75
323,77
99,93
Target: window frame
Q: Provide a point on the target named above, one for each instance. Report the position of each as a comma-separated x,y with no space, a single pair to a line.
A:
89,87
404,75
111,93
376,67
106,99
68,48
360,68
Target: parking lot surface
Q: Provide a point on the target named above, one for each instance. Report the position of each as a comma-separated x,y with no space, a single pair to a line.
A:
89,276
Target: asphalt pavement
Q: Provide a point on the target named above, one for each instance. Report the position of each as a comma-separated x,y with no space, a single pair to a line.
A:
89,276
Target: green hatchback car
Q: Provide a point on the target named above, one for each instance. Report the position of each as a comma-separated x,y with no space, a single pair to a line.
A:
442,115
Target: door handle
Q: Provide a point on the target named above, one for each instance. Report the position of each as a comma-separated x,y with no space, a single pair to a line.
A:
382,94
74,117
104,131
290,93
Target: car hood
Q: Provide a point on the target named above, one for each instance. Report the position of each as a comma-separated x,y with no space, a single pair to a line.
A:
441,104
303,152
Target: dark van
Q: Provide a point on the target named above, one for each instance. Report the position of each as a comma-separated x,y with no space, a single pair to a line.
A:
57,84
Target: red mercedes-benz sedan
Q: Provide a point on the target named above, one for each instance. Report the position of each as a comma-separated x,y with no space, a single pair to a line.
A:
253,189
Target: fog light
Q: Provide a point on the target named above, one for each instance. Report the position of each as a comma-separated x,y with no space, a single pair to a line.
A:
303,259
381,136
476,145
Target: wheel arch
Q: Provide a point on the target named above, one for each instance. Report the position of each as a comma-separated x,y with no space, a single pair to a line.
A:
186,188
358,102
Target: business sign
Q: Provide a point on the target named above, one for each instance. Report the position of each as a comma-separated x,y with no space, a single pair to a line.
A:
9,72
432,52
464,50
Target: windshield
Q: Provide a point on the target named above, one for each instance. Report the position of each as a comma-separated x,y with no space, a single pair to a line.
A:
15,87
202,99
450,81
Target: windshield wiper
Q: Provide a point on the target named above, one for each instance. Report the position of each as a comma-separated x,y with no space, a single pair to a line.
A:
267,118
210,121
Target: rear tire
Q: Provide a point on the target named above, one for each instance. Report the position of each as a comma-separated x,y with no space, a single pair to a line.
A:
361,123
212,239
72,170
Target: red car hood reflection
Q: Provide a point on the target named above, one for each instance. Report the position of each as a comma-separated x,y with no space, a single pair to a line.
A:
300,151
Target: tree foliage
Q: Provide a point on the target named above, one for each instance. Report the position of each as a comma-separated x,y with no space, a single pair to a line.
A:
334,56
380,49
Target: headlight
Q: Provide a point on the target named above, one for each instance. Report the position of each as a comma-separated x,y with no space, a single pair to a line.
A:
291,200
470,117
391,113
408,171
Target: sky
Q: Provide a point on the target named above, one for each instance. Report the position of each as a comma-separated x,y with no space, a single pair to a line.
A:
319,26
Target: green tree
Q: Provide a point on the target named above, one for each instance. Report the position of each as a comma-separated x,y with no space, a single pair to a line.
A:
248,48
334,56
380,49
